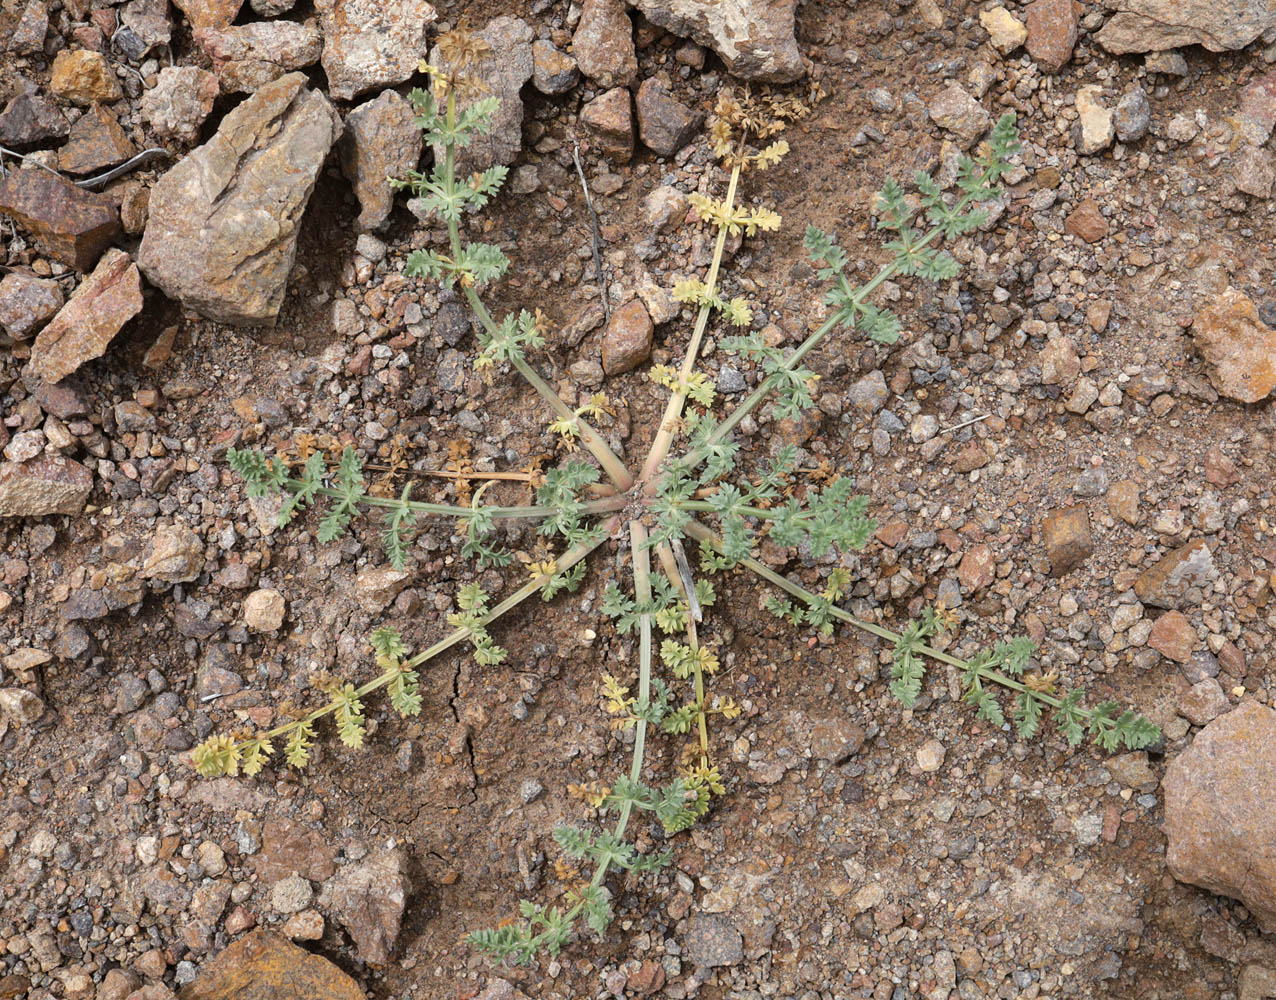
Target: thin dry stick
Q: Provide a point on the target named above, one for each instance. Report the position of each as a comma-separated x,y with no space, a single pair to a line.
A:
593,223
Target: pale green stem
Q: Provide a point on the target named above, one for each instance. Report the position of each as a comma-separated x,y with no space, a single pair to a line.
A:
611,464
604,505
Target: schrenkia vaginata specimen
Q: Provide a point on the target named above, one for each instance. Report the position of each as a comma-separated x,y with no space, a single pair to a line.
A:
693,493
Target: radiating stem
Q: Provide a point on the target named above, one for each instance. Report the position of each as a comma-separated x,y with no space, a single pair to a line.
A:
700,532
678,398
603,505
611,464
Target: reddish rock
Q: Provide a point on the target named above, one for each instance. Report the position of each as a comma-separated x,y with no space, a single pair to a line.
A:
1218,819
603,44
1172,635
28,34
1060,363
371,44
29,120
978,568
96,143
265,966
955,111
1123,501
288,846
665,124
1239,347
610,119
1254,172
209,13
971,457
84,77
27,303
1052,33
70,224
1258,109
1087,222
1219,469
1068,541
1169,582
627,340
106,300
43,486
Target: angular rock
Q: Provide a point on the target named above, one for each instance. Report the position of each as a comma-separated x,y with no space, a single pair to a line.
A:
30,120
1060,363
1156,25
43,486
71,225
20,707
209,13
376,587
265,966
143,25
1087,222
603,43
1066,532
178,104
627,340
1168,582
1133,115
1218,822
553,72
1256,983
106,300
1052,33
288,846
955,111
504,71
665,124
1005,31
84,77
369,44
1258,109
978,567
1094,129
368,899
870,392
755,38
28,34
665,208
1255,172
96,143
609,117
381,141
1204,702
248,56
222,232
27,303
1173,636
176,555
1238,346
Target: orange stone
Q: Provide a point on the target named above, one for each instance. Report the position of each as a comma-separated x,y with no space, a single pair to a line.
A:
1239,347
264,966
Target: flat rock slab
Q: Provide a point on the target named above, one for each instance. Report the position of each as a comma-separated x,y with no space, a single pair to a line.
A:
43,486
265,966
370,44
1239,347
1157,25
82,329
97,141
222,232
248,56
1219,813
70,224
753,37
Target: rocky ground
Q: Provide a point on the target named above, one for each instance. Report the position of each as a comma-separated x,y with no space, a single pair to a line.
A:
1074,440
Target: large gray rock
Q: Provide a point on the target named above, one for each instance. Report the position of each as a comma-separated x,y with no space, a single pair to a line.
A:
754,37
368,898
1156,25
248,56
504,71
369,44
1220,815
381,141
222,233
